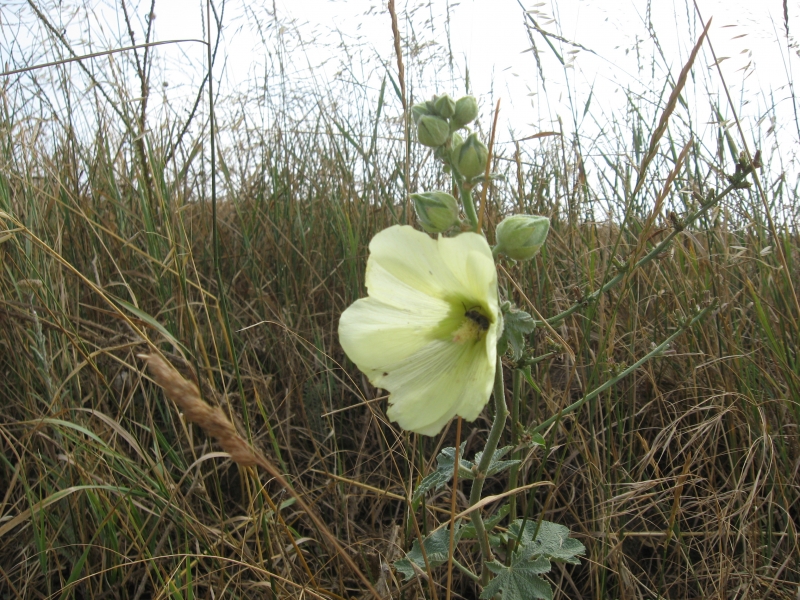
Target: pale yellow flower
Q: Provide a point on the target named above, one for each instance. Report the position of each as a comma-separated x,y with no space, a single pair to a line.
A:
428,330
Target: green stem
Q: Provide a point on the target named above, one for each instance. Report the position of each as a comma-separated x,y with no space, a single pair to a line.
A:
469,205
645,259
465,570
532,361
517,455
599,390
500,415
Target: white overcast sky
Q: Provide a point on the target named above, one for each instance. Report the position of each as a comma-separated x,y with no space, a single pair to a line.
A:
488,36
758,60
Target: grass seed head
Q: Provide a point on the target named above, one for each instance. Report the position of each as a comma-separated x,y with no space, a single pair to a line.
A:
210,418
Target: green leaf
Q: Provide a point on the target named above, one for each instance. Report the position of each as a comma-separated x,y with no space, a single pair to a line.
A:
538,545
444,468
140,314
588,102
444,471
551,540
496,465
76,572
537,439
516,325
437,548
520,581
530,440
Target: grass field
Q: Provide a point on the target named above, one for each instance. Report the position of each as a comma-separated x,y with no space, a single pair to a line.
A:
682,480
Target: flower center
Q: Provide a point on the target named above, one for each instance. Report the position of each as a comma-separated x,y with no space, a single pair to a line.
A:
473,327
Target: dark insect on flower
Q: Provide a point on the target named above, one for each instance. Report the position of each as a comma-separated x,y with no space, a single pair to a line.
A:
477,318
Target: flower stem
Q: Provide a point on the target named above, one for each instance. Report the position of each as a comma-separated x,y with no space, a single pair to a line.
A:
500,415
469,205
517,455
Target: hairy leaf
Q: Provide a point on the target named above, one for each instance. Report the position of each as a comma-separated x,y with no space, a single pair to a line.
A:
496,465
551,541
437,548
444,471
516,325
520,580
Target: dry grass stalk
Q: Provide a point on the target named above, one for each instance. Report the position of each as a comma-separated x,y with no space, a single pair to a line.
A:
211,418
672,102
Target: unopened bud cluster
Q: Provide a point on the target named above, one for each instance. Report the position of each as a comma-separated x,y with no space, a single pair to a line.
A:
437,122
443,109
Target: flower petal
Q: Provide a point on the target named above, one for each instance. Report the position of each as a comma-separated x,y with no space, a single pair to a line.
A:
469,258
375,334
402,257
439,382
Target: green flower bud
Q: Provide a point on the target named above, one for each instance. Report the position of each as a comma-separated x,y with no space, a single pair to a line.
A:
445,106
437,211
521,236
432,131
466,110
470,157
455,148
418,111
